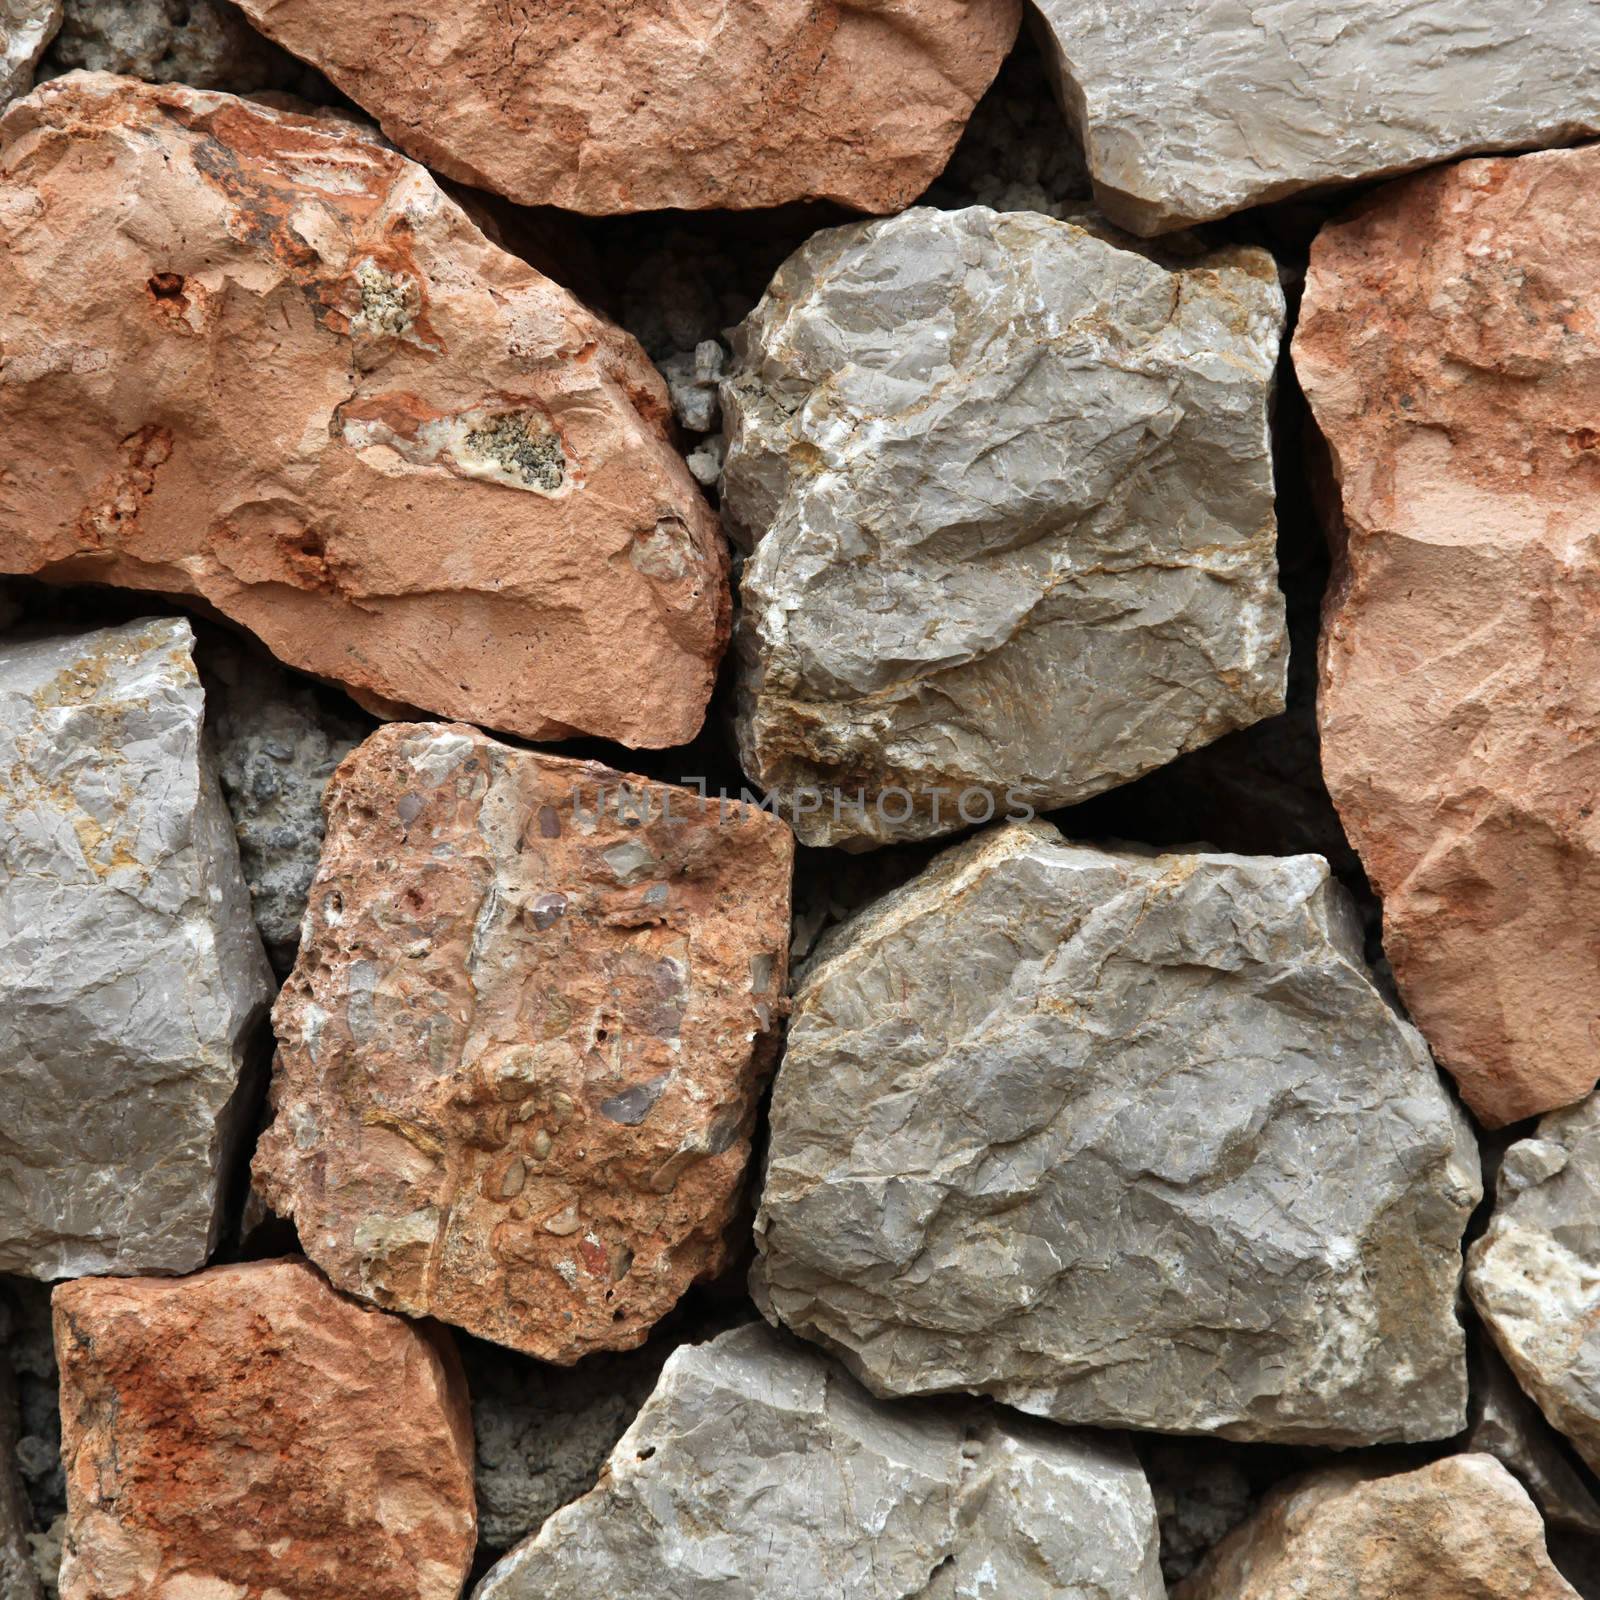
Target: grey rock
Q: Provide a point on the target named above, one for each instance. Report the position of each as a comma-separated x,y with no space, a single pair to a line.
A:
1121,1139
18,1578
1192,109
1010,493
1535,1274
30,1352
692,379
131,975
46,1550
757,1469
26,28
1202,1494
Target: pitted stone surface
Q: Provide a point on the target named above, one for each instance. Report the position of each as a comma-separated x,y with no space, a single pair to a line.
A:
26,28
520,1052
131,976
757,1468
1120,1139
1010,491
404,459
1191,109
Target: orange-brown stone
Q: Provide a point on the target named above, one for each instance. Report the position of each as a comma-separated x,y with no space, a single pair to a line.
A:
263,360
1450,347
250,1434
520,1052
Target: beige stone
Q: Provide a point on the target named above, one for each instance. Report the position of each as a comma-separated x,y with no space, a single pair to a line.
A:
262,360
1450,348
520,1052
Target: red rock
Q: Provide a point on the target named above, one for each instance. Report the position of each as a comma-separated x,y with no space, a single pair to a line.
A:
520,1051
249,1434
1450,347
260,359
610,105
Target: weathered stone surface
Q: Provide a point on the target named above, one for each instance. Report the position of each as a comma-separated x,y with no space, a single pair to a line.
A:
1011,488
1120,1139
1459,1529
131,976
250,1433
604,107
26,27
403,458
757,1469
1452,368
1192,110
1535,1274
521,1048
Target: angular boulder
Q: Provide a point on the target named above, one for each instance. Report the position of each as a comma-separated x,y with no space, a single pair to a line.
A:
303,387
1452,370
758,1469
1125,1140
604,108
1010,492
520,1052
248,1433
1459,1527
1193,110
1535,1274
132,980
26,29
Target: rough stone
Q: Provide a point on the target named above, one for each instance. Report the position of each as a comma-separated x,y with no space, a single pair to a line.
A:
1010,490
757,1469
604,108
403,458
1535,1274
1120,1139
133,976
1459,1529
250,1433
1201,1493
26,28
18,1578
30,1351
1450,361
1194,110
591,966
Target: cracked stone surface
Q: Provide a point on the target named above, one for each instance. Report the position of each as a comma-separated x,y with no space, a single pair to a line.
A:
520,1052
26,28
1192,109
1450,362
1010,492
758,1468
248,1433
1125,1140
603,108
1461,1527
401,457
133,978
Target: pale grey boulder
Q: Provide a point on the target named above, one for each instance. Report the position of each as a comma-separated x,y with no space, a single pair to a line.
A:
1535,1274
758,1469
1192,109
1121,1139
131,975
26,29
1009,491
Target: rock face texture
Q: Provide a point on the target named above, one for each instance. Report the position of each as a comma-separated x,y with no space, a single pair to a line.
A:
1010,491
757,1469
133,978
249,1433
1459,1528
306,388
1451,367
1535,1274
521,1048
603,107
26,27
1046,1127
1192,110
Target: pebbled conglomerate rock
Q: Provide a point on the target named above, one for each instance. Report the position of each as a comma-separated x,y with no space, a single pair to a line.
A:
1192,109
305,388
1451,364
1459,1529
131,976
26,28
250,1434
757,1468
1120,1139
521,1048
1010,493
